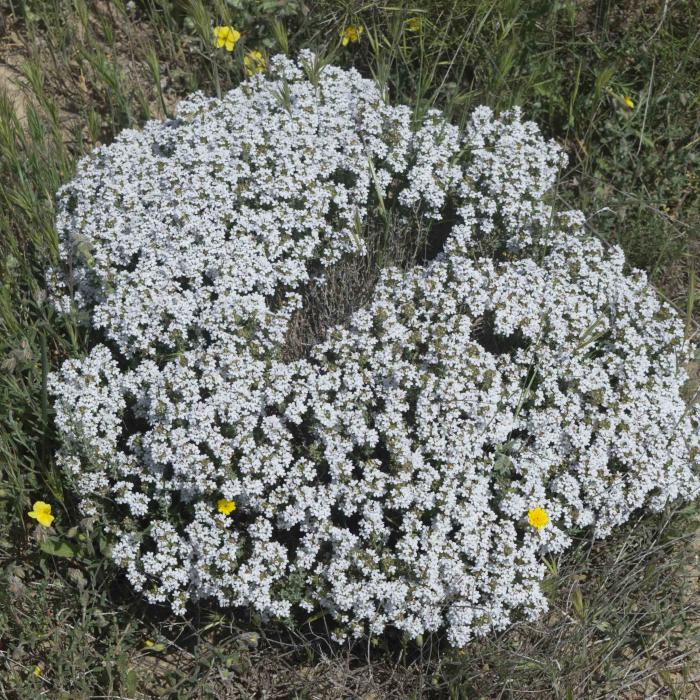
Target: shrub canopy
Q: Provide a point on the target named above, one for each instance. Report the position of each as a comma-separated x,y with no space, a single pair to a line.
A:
386,476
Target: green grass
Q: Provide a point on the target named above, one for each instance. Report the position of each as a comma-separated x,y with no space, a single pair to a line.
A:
624,620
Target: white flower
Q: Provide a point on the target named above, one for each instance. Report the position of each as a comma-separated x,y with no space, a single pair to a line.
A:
386,477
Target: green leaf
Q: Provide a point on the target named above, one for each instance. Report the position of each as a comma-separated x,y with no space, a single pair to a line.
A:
132,682
57,548
104,545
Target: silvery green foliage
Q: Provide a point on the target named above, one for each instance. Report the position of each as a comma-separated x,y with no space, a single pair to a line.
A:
385,478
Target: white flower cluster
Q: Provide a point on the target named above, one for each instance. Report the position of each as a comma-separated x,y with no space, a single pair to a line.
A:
386,478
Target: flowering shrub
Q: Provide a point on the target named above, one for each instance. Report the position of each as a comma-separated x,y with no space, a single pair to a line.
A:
412,467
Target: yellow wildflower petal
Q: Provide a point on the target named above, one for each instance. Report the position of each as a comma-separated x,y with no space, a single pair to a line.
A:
628,101
232,38
37,671
42,513
226,37
226,507
414,24
351,33
254,62
45,519
538,517
220,36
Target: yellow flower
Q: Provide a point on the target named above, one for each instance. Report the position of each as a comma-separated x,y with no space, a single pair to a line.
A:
254,62
37,671
223,505
42,513
226,37
154,646
414,24
351,33
538,517
628,101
